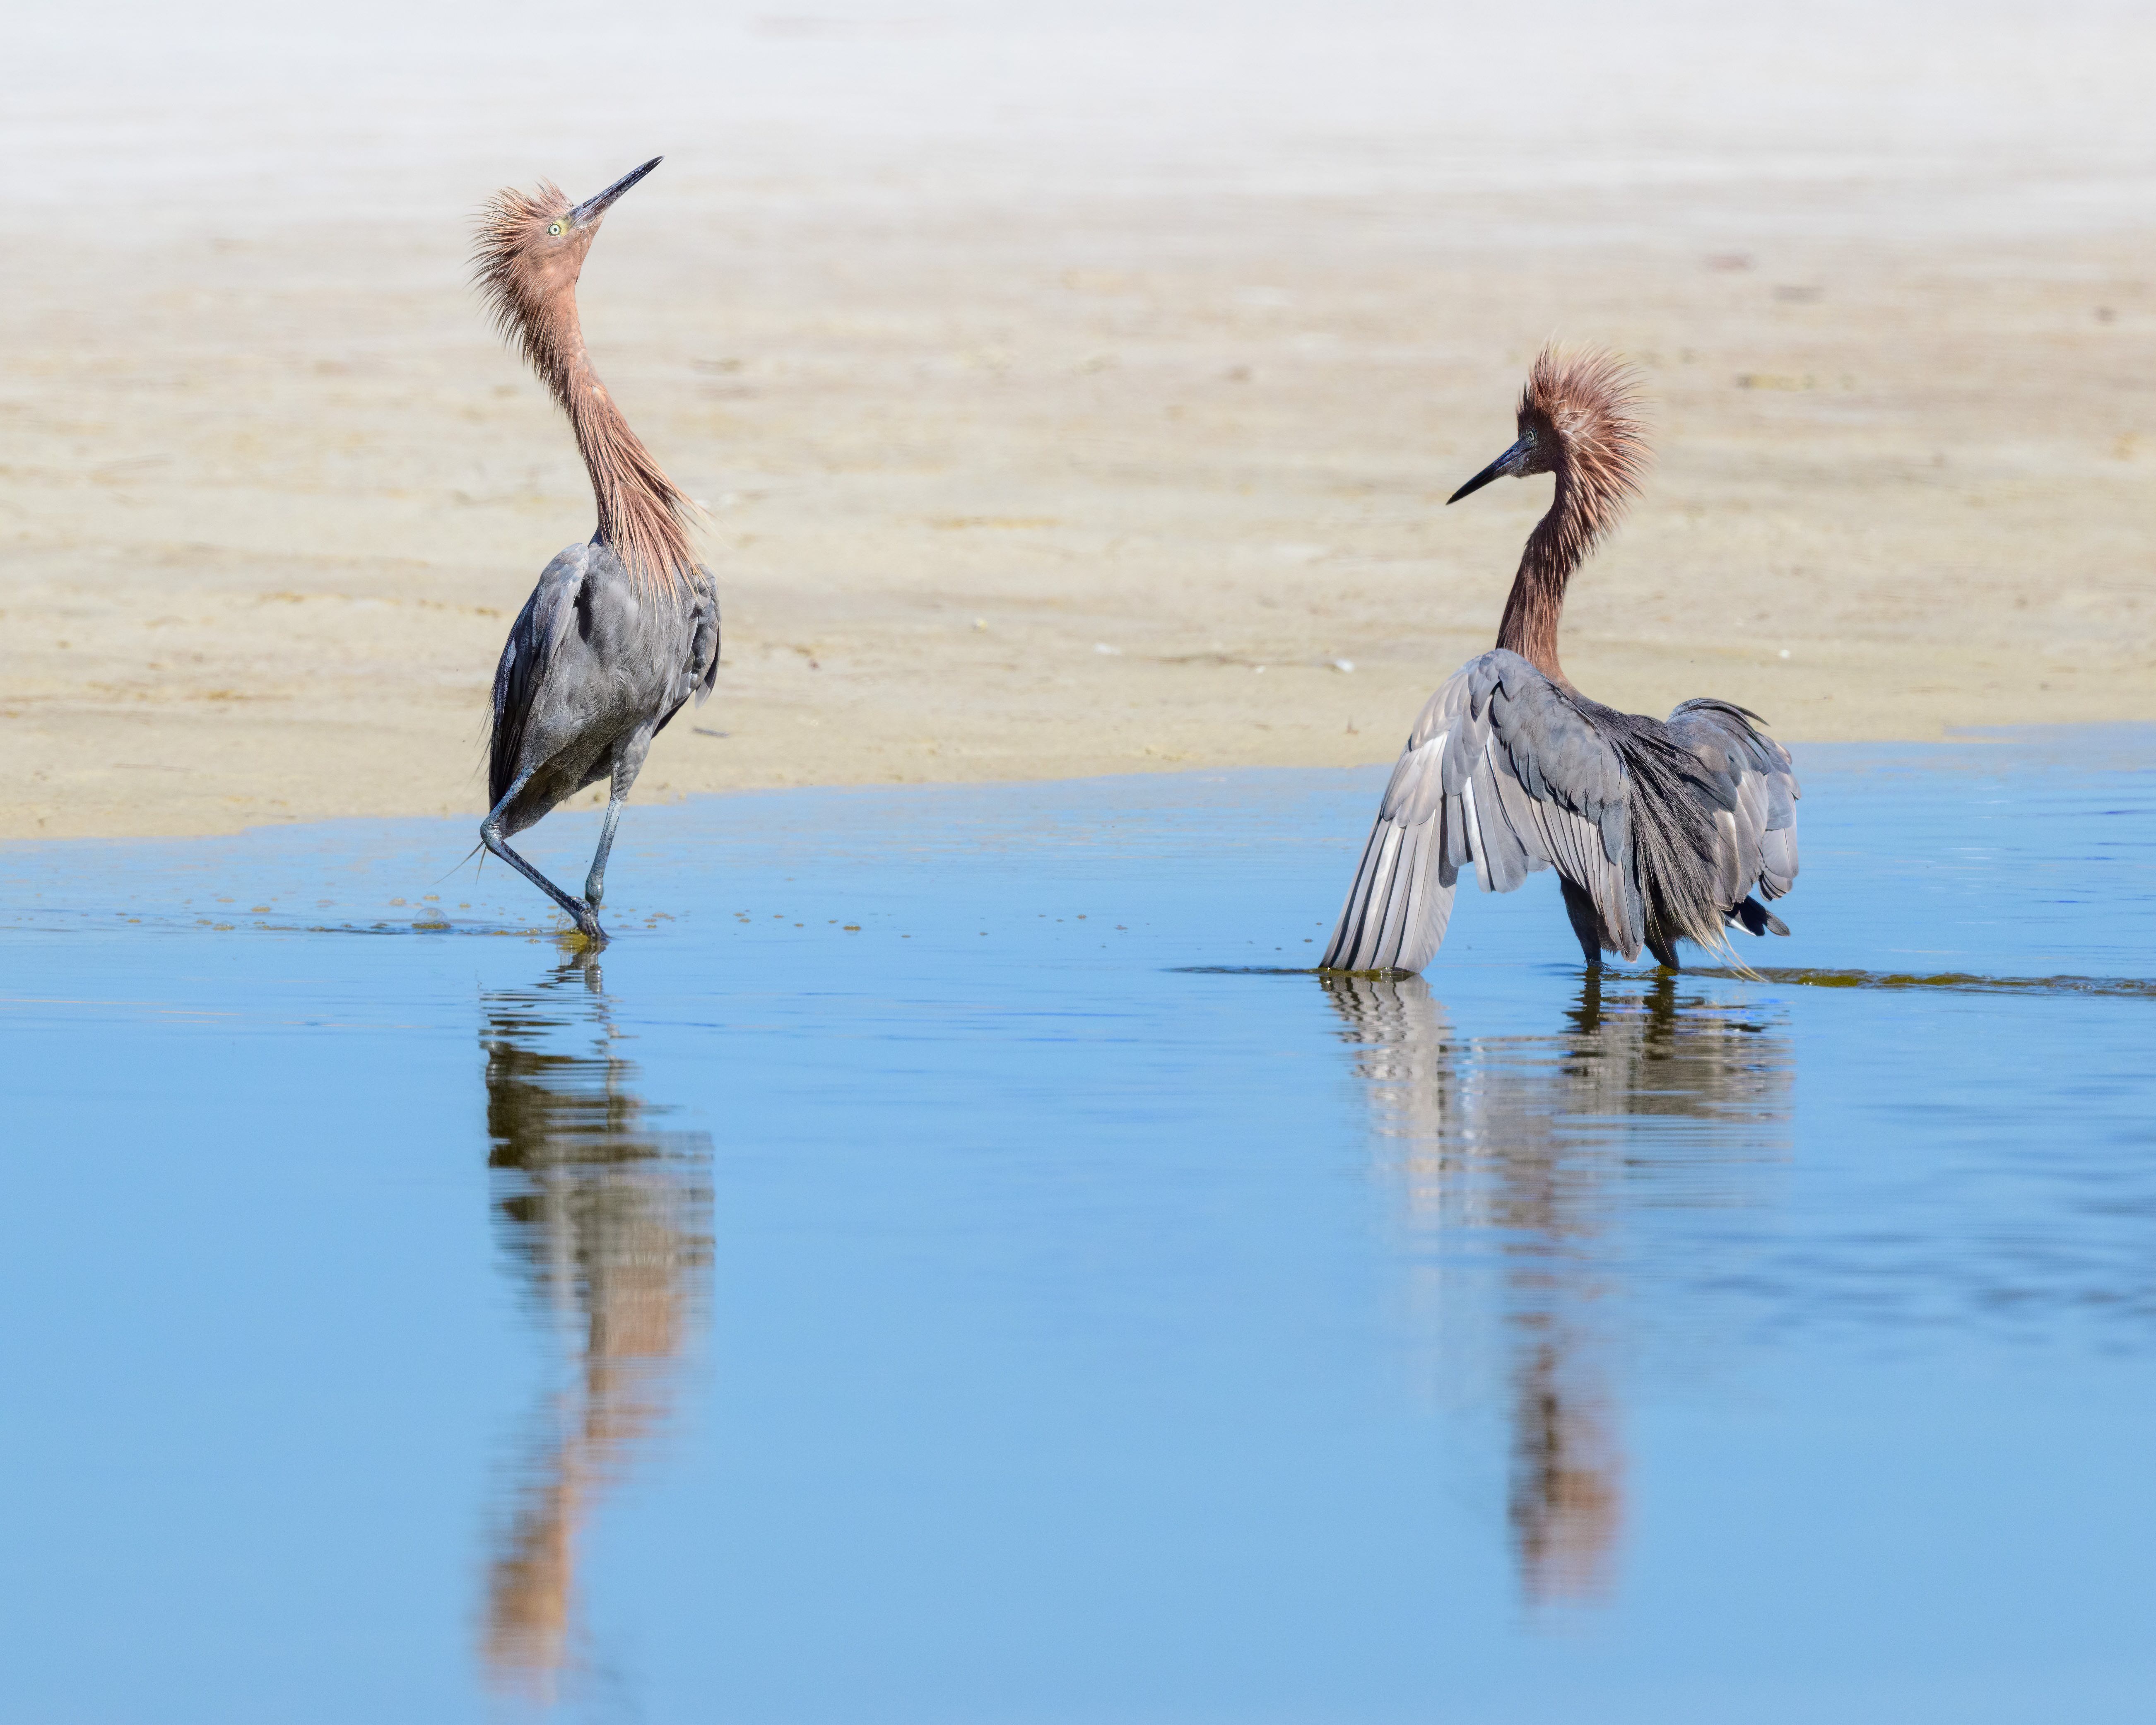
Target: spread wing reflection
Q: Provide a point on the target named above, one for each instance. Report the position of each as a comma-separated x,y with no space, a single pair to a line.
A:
1541,1154
606,1224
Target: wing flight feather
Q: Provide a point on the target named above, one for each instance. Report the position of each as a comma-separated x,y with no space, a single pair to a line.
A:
1757,841
1503,772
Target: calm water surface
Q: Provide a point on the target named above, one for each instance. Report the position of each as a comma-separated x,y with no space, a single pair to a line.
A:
943,1264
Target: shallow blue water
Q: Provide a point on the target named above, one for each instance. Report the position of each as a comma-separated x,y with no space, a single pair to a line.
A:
937,1267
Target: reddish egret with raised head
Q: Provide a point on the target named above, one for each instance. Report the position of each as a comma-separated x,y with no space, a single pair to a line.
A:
621,631
1658,831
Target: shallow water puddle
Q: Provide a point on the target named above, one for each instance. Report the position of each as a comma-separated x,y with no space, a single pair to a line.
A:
945,1260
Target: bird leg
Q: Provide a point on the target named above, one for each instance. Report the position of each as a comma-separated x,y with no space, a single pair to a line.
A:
1585,924
1665,953
595,882
489,834
628,762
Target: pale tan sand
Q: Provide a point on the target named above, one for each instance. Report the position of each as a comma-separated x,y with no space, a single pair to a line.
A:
1067,401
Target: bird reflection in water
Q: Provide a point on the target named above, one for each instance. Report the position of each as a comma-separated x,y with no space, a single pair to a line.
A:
607,1225
1542,1148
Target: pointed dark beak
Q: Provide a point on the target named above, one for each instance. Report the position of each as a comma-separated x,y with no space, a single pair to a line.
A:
591,208
1512,461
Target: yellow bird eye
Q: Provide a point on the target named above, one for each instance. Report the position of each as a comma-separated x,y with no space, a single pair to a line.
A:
554,228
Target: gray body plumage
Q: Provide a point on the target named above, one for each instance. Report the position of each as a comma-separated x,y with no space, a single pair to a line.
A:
595,665
1659,830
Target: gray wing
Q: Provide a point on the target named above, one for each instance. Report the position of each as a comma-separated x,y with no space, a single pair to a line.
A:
1504,772
700,670
704,638
534,639
1756,837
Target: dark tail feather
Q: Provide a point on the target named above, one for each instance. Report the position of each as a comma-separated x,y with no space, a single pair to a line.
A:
1755,918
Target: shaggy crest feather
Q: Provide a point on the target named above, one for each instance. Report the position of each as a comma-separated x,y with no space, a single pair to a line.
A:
529,278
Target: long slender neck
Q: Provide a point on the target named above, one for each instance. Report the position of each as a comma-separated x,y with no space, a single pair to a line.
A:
641,511
1556,547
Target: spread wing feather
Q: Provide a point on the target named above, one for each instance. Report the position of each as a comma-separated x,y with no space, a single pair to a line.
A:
1504,773
1757,840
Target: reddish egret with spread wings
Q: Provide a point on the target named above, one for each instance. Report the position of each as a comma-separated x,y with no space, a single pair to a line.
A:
621,631
1659,831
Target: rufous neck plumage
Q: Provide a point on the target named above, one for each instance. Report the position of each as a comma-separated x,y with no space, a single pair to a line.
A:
1536,605
640,510
532,249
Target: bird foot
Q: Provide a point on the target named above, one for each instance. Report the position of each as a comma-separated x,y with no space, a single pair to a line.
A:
587,927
